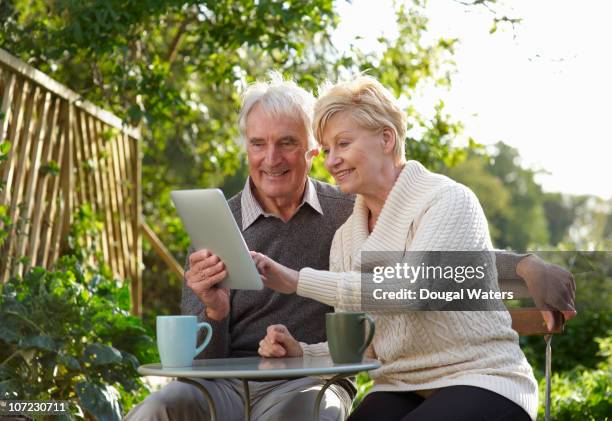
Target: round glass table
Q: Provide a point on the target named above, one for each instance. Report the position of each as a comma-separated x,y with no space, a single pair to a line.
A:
257,368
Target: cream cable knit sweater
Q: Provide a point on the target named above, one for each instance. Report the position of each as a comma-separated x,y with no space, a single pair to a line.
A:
424,350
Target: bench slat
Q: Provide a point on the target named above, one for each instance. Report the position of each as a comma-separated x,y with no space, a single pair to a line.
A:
529,321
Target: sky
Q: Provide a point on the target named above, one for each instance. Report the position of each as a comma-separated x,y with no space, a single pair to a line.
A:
543,86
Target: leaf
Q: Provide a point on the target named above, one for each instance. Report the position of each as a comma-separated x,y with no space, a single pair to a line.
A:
109,134
99,400
70,362
50,168
7,334
135,114
24,260
100,354
130,359
5,147
42,342
10,389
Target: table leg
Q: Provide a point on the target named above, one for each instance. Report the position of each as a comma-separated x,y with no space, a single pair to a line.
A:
328,383
206,393
247,400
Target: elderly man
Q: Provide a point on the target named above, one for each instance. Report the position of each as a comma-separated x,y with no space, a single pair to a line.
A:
292,218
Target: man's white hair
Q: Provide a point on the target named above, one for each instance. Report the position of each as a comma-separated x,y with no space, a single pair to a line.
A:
278,97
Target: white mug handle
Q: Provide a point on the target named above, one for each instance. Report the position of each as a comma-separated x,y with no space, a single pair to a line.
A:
207,339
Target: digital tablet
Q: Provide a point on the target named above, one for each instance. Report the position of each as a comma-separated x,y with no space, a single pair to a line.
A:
209,222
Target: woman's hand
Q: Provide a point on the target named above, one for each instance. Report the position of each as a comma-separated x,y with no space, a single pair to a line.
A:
279,343
552,287
274,275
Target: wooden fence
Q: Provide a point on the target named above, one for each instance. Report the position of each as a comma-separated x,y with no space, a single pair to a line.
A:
65,152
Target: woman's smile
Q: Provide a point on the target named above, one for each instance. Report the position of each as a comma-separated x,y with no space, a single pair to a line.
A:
343,174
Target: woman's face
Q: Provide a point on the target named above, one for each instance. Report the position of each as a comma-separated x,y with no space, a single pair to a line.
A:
354,156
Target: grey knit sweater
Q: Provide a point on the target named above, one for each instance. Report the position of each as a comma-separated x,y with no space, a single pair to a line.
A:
303,241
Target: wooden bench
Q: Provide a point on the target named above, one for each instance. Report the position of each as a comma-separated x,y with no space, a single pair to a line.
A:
529,322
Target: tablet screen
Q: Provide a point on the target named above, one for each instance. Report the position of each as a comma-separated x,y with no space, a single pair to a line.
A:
210,224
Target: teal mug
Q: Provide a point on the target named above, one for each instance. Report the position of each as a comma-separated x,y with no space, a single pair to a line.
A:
177,338
348,335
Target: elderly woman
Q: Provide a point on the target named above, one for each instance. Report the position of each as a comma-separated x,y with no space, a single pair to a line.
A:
436,364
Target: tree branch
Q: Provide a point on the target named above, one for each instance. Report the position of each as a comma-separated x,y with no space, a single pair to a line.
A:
176,41
26,320
488,5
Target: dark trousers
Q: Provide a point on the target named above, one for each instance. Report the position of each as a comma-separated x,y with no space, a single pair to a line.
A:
456,403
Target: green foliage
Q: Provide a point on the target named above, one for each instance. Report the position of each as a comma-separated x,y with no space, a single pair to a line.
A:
577,345
86,225
5,147
4,216
4,223
319,172
50,168
592,225
580,222
560,213
364,384
524,225
66,334
581,361
582,393
434,147
408,64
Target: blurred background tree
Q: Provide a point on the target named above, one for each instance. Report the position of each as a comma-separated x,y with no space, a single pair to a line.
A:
523,217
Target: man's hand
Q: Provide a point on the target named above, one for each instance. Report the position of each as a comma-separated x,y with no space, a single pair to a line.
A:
279,343
205,273
274,275
552,287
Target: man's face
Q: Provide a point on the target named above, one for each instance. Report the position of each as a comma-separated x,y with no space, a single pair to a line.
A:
276,152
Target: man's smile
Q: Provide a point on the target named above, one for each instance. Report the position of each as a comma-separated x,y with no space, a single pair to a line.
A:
276,174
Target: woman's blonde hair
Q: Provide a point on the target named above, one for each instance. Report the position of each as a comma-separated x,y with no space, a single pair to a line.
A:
369,104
